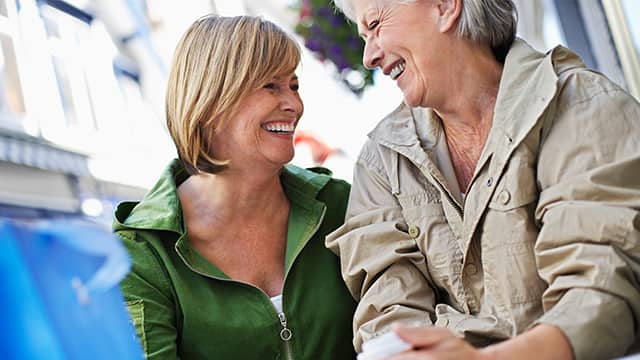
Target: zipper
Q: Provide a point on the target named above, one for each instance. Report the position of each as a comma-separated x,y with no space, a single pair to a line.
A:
285,333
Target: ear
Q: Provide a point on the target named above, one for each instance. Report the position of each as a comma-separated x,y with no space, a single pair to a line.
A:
448,14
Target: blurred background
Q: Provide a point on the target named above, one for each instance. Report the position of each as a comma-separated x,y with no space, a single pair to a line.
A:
82,88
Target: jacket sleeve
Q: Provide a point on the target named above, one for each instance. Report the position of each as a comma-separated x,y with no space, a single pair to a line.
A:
588,248
148,296
381,264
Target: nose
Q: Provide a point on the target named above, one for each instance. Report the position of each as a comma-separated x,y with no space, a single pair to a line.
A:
291,102
372,54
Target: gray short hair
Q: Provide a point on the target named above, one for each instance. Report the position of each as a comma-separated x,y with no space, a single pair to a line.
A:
493,22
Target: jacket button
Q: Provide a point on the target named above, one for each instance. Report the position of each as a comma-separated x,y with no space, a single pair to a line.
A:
504,197
442,322
471,269
414,231
490,181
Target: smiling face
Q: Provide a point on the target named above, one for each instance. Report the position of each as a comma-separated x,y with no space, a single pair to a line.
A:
407,42
232,81
260,132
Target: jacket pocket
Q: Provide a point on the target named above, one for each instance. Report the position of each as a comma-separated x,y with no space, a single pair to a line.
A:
509,233
136,311
427,224
516,189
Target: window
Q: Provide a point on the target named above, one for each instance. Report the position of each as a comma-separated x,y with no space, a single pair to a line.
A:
11,96
626,36
66,36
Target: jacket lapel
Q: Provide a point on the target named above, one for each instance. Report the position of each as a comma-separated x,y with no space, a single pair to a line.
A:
306,212
398,131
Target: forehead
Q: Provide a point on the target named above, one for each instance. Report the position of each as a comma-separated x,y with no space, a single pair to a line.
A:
362,8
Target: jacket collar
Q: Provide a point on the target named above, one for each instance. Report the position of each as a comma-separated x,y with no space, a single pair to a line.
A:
160,209
397,128
528,86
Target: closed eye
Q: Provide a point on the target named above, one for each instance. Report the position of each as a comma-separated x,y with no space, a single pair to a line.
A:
373,25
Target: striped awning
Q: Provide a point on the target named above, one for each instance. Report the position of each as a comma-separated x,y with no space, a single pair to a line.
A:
35,152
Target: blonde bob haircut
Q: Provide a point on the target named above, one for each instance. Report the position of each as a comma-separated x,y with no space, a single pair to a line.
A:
217,63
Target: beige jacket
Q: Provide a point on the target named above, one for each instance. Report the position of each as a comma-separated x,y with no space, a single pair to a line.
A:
549,231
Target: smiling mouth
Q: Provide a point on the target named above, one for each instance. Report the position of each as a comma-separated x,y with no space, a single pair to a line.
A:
279,128
397,70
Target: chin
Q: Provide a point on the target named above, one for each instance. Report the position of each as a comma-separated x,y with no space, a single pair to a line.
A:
411,102
286,159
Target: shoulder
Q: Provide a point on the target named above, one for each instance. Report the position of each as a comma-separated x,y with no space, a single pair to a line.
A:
593,123
335,191
338,184
374,158
578,84
581,86
598,106
306,186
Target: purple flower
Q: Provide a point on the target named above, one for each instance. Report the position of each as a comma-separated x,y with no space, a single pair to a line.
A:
354,43
335,50
324,11
342,64
313,44
336,20
316,30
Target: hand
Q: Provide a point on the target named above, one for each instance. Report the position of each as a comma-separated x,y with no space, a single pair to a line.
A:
433,342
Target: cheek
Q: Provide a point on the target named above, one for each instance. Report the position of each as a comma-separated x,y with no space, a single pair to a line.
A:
422,67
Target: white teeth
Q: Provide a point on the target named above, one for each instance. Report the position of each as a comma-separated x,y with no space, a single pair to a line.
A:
397,70
279,127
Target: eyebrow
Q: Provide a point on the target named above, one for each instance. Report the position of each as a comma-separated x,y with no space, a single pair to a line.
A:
365,25
284,78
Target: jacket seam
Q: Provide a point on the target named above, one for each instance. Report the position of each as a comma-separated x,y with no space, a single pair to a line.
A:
368,160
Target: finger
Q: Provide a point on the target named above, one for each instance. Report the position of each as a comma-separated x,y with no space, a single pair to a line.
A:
422,336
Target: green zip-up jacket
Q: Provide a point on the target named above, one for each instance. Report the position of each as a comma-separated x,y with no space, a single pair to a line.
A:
184,307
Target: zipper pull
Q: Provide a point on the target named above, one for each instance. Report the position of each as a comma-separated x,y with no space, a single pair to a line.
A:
285,333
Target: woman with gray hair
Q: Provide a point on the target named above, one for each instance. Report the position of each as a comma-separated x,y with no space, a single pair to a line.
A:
500,201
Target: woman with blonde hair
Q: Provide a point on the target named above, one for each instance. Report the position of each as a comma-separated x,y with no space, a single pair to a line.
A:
228,247
499,205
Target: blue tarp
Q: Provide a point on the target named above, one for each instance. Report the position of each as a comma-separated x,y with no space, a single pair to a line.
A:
59,294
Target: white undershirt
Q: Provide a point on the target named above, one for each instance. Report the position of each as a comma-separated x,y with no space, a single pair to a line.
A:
277,302
442,159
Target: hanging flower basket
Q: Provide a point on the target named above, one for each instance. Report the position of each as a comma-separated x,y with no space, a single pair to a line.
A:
328,34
